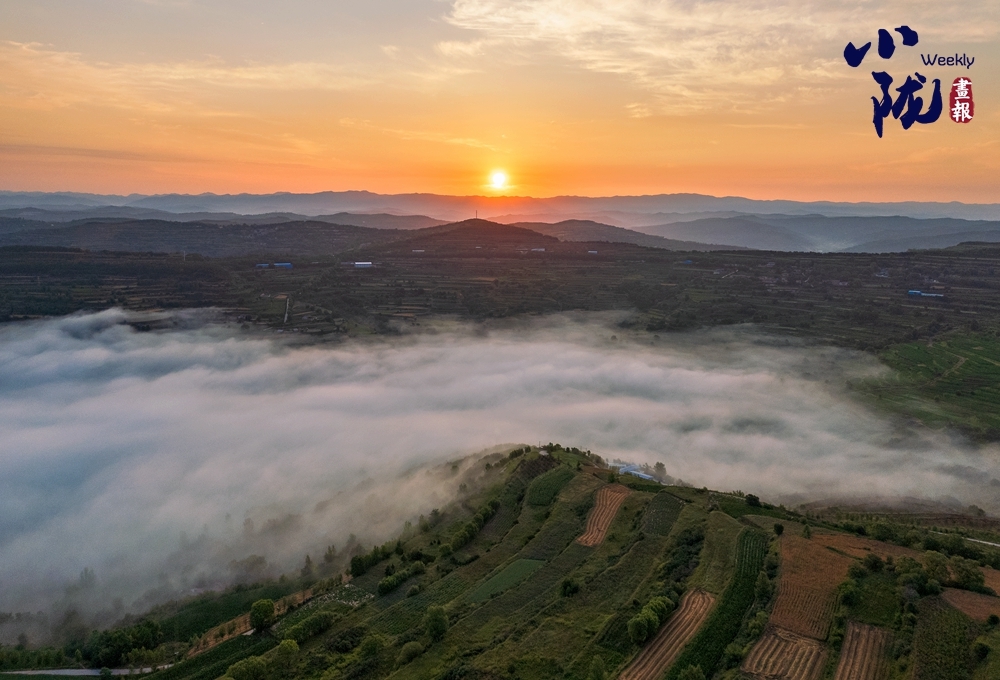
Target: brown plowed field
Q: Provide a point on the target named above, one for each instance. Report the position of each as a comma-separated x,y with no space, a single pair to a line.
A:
973,605
609,499
781,655
863,654
807,587
992,578
857,546
658,654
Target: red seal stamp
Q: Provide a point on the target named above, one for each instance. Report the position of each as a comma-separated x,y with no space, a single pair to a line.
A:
962,106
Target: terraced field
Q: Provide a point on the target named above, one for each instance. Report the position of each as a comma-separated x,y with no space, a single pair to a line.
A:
863,655
782,655
661,652
609,499
661,513
808,586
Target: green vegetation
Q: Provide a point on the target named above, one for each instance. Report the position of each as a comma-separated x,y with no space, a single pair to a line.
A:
513,574
262,615
216,661
952,381
708,647
544,488
718,558
661,513
472,528
943,643
644,625
311,626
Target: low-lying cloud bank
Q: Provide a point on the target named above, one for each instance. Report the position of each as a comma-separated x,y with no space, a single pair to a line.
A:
142,455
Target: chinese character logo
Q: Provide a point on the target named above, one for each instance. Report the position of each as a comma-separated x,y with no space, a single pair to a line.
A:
962,106
907,107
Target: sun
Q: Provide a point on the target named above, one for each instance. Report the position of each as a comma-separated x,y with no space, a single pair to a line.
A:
498,180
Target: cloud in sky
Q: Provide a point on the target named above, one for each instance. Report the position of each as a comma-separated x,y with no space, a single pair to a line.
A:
697,55
140,455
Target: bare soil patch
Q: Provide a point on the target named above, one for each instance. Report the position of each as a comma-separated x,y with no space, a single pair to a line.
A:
810,574
609,499
974,605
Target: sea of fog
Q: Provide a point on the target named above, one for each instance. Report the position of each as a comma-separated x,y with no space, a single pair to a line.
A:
156,459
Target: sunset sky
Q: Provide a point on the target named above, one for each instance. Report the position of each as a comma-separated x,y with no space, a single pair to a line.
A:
587,97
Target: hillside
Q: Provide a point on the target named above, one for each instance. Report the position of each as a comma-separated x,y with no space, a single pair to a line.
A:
556,568
588,230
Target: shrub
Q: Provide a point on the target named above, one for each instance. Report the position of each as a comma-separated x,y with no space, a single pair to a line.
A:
250,668
409,652
752,500
569,588
436,622
311,626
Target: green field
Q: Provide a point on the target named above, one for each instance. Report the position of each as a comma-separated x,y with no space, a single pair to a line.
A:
718,558
509,577
544,488
943,643
954,380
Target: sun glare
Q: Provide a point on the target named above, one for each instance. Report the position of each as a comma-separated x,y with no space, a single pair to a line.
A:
498,180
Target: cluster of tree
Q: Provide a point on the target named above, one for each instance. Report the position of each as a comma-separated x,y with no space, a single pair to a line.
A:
18,659
362,563
644,625
111,647
517,453
472,528
311,626
396,578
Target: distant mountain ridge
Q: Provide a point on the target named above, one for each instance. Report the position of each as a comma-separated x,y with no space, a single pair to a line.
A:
453,208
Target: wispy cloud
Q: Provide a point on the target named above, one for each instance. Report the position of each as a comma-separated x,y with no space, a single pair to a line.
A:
418,135
701,54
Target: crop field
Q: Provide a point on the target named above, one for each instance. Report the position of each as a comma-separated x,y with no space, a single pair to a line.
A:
808,586
956,380
942,642
661,513
609,499
858,546
515,573
663,650
722,625
974,605
863,654
718,557
544,488
214,662
878,600
781,655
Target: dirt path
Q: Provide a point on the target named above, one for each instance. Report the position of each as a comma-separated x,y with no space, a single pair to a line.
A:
660,653
609,499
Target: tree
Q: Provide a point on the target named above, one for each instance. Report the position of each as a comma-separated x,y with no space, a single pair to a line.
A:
779,529
261,616
752,500
936,566
762,588
691,673
806,532
307,568
660,471
330,555
967,573
410,651
597,671
436,622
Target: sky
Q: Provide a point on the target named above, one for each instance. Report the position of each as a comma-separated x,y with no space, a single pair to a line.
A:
583,97
141,455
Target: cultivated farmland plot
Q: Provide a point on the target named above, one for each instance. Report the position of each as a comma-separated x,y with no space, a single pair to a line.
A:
809,577
609,499
863,655
664,649
974,605
782,655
